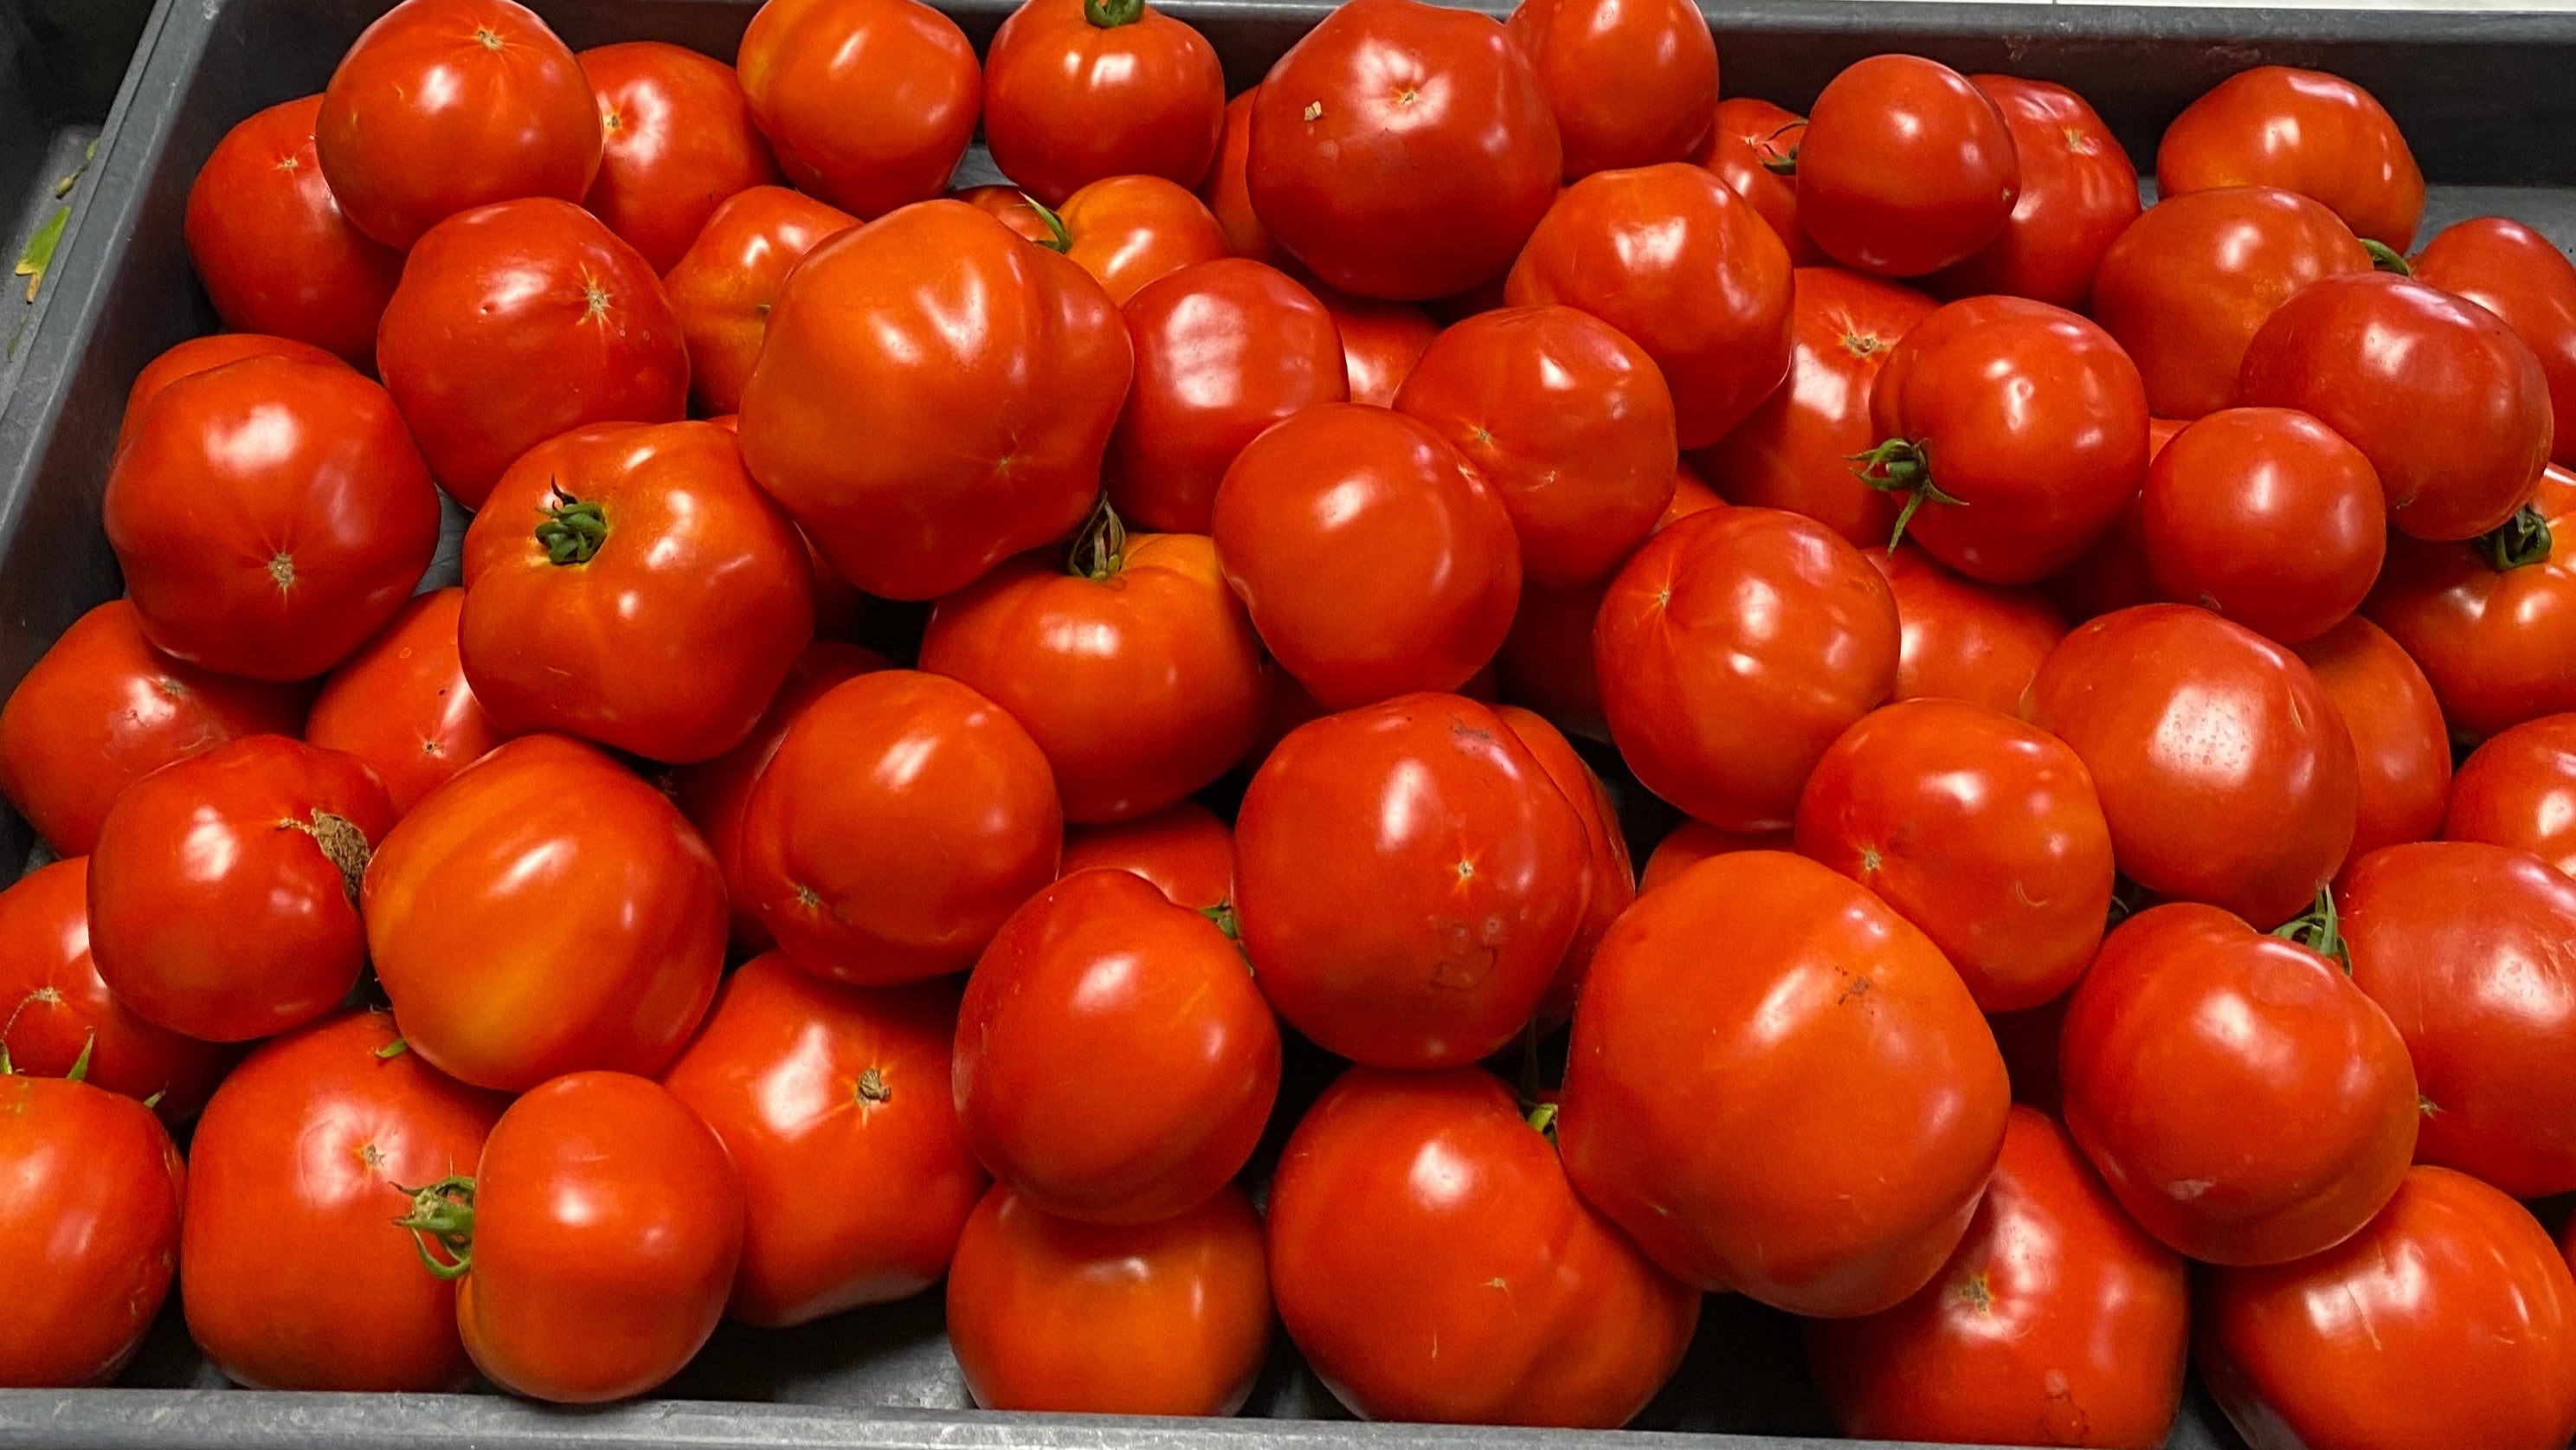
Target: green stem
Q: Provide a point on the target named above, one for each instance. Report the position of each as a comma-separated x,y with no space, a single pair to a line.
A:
1901,465
1782,163
1542,1118
1110,14
80,1064
1100,547
1057,239
2318,930
574,529
393,1049
2520,540
443,1212
2386,258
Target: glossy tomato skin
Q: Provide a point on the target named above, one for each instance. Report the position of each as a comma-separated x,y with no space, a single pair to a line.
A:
2518,789
1746,141
1183,849
291,1269
677,140
490,885
868,103
1906,167
1228,191
1658,60
2451,1309
204,354
2193,725
442,106
60,1011
725,282
1747,1126
2522,277
2492,641
93,1210
402,703
268,516
1407,880
988,370
2266,516
101,709
2304,131
1381,341
1377,1261
2244,1100
1692,842
520,321
269,241
1169,1318
811,1083
2057,1321
1962,640
1069,99
2078,193
1129,231
2399,743
1611,882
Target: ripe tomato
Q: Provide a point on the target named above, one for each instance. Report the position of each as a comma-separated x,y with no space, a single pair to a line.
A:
1169,1318
92,1215
2518,789
1183,849
987,374
2494,621
1407,880
868,103
808,1082
1692,842
1733,648
723,286
442,106
402,703
60,1013
1228,192
1629,84
1753,147
1906,167
2056,1322
1961,640
2399,743
293,1274
1076,90
1131,230
269,515
480,896
677,140
2266,516
2522,277
1015,209
2078,193
1610,880
1381,341
1402,150
101,709
1811,1126
2193,726
268,239
2186,287
204,354
902,819
2304,131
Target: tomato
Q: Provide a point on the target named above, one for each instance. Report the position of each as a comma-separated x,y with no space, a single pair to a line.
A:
1381,341
1731,650
2078,193
2450,1310
1223,349
1183,849
2398,741
2304,131
1610,881
204,354
480,896
1755,1130
1402,150
291,1270
987,375
402,703
2186,287
269,241
808,1082
902,819
1013,208
1169,1318
269,515
1076,90
2056,1322
2492,622
1345,517
1404,1206
1752,146
2522,277
1228,191
868,103
60,1013
1629,84
724,284
1905,168
2266,516
92,1218
101,709
1692,842
1128,231
678,139
1961,640
1682,266
2519,790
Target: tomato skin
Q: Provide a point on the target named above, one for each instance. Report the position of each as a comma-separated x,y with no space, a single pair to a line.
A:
677,140
1381,341
269,241
2056,1322
293,1274
723,285
59,1009
2304,131
833,854
1228,190
1692,842
2492,641
2399,744
1068,100
101,709
1744,138
204,354
806,1081
1962,640
1376,1261
490,885
2266,516
92,1211
2522,277
2518,789
1611,878
1659,61
1906,167
520,321
868,103
402,703
1183,849
1748,1130
2078,193
2192,725
1169,1318
1128,231
2450,1309
1028,363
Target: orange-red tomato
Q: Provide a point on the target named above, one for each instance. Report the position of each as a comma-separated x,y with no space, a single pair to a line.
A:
402,704
724,284
1752,146
1692,842
59,1012
1381,341
1962,640
1611,878
1629,84
677,140
1129,231
1075,90
2266,516
2304,131
93,1214
270,243
1183,849
2078,193
2522,277
2517,789
2399,744
868,103
1905,168
2492,622
1228,192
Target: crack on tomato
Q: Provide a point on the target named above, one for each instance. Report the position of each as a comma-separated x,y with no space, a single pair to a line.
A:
342,843
281,567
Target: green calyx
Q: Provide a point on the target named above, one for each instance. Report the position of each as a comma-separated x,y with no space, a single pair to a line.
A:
573,529
1100,546
1901,465
2386,258
2319,931
442,1213
2520,540
1057,239
1781,163
1110,14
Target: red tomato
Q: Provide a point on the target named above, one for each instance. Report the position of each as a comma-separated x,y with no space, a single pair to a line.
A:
204,354
1629,84
2522,277
1692,842
1753,148
1402,150
1129,231
1013,208
1961,640
2304,131
1906,167
1732,650
2057,1322
2078,193
2493,622
1169,1318
1183,849
2186,287
480,896
2518,789
1228,192
60,1013
678,139
291,1269
2451,1310
986,376
1407,880
101,709
269,242
402,704
1076,90
869,103
2266,516
1381,341
1611,880
1406,1203
93,1212
2398,740
807,1082
269,515
902,819
1685,268
1224,349
723,286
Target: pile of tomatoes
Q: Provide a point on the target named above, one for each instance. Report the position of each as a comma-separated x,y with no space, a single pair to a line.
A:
1287,532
